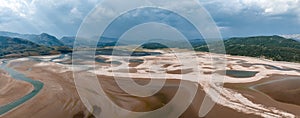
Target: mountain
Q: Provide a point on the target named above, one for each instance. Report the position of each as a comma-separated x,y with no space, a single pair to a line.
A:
153,45
46,39
292,36
279,48
17,47
42,39
166,43
103,42
68,41
271,47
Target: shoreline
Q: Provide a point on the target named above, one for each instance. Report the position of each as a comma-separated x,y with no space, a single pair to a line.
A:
234,100
5,109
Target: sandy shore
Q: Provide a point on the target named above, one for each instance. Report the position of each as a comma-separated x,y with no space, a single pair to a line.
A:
59,97
11,89
144,104
260,97
285,90
168,66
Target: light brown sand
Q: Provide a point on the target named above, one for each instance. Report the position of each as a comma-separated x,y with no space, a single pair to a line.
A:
263,98
11,89
285,90
180,71
143,104
58,98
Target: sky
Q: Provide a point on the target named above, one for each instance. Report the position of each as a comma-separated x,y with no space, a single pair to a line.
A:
233,17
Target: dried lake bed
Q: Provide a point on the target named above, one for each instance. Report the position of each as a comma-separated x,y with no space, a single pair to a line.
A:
252,87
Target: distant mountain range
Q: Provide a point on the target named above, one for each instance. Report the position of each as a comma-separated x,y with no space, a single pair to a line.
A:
279,48
42,39
16,47
20,45
271,47
103,42
68,41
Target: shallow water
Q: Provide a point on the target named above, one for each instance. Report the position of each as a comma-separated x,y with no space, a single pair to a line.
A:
239,73
276,68
19,76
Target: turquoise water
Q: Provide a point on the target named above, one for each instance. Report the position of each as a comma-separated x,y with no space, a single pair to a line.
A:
19,76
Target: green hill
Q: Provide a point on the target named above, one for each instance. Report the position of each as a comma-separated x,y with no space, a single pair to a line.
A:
271,47
41,39
16,47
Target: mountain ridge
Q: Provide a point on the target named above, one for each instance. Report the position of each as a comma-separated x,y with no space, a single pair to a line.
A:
41,39
17,47
274,47
271,47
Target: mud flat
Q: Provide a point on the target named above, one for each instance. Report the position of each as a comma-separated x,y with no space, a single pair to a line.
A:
271,92
161,98
59,97
235,99
11,89
285,90
12,105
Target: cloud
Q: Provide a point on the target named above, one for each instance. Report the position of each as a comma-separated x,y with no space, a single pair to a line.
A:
275,7
234,17
264,7
255,17
19,8
58,17
75,12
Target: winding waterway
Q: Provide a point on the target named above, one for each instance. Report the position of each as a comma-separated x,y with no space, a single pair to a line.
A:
19,76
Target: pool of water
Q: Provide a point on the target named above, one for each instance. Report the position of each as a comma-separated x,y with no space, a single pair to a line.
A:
278,68
102,60
136,61
239,73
